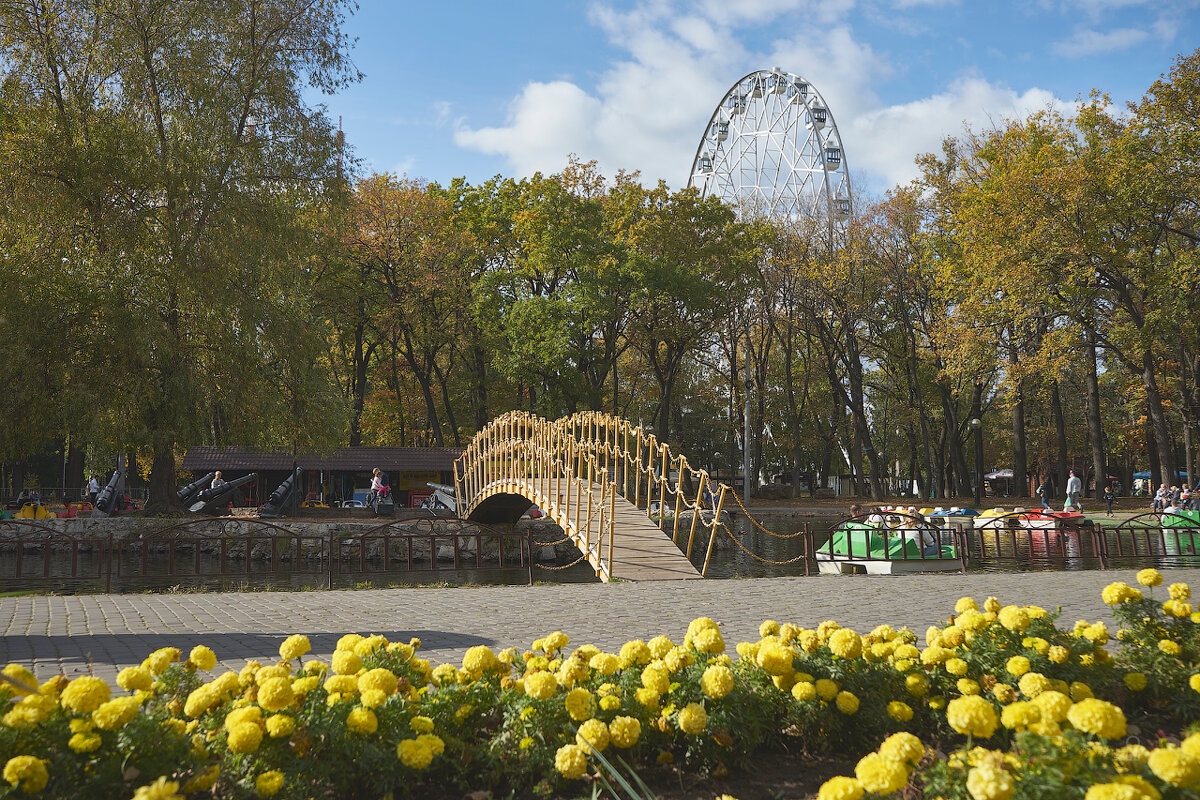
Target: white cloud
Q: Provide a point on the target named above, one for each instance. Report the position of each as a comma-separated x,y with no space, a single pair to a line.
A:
886,141
647,111
1087,42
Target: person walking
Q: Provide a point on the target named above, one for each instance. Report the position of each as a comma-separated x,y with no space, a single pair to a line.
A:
1043,492
93,489
1109,496
1074,490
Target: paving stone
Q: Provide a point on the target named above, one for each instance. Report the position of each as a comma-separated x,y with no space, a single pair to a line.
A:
104,633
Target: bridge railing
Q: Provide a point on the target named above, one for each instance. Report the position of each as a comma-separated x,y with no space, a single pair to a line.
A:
555,463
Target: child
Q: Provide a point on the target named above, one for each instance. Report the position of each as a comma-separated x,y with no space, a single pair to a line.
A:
1109,496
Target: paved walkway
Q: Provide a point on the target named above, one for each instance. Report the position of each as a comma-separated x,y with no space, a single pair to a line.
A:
103,633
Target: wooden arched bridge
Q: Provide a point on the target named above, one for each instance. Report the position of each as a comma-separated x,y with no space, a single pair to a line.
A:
635,511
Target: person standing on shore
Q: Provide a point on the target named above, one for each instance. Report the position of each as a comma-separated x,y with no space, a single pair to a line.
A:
1109,496
1074,490
1043,492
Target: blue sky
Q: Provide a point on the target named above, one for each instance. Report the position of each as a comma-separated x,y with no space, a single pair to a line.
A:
478,89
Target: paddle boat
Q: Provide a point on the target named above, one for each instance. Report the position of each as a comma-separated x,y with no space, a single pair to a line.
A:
1045,520
887,542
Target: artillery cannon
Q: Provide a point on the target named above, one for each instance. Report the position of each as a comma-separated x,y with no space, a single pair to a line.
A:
108,502
212,501
188,494
278,500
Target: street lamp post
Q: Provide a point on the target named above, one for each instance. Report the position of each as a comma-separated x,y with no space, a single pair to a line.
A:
977,428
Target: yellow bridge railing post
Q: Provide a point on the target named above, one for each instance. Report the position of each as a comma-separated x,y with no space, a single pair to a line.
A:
713,535
696,512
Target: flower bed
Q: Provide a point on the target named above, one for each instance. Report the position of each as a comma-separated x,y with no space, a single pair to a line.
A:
1023,708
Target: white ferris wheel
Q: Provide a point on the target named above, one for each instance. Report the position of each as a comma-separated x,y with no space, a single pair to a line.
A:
772,148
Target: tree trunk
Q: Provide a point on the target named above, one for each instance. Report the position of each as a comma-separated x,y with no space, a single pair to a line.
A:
1020,462
443,382
75,464
478,393
957,467
162,480
1060,428
1152,452
1158,419
1094,423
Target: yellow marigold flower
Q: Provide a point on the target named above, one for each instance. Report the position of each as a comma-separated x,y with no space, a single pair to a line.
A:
580,704
899,711
967,686
907,651
1131,756
775,659
935,655
1014,618
845,643
245,737
1179,591
610,702
202,657
972,716
1169,647
1058,654
161,789
903,747
692,718
804,691
635,652
1054,705
1136,681
916,684
646,697
1178,608
541,685
991,605
1033,683
827,689
444,674
201,699
315,667
593,732
709,640
1150,577
382,679
266,673
294,646
988,782
1175,766
717,681
269,783
571,761
85,694
203,781
342,684
1097,717
840,788
847,703
276,694
362,720
1119,592
1080,691
115,713
624,731
1004,693
555,642
957,667
84,742
965,604
480,659
280,725
657,678
27,772
952,636
881,775
251,714
346,662
605,663
434,743
134,679
158,661
369,645
23,676
679,657
526,742
414,753
660,646
769,627
1020,714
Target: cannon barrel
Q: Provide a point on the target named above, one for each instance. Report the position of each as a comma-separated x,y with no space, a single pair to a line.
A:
187,495
279,498
107,501
212,500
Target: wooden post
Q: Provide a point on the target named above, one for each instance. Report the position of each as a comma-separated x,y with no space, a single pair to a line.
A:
678,497
612,528
712,536
696,513
665,452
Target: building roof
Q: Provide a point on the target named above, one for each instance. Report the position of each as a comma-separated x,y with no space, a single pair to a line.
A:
346,459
